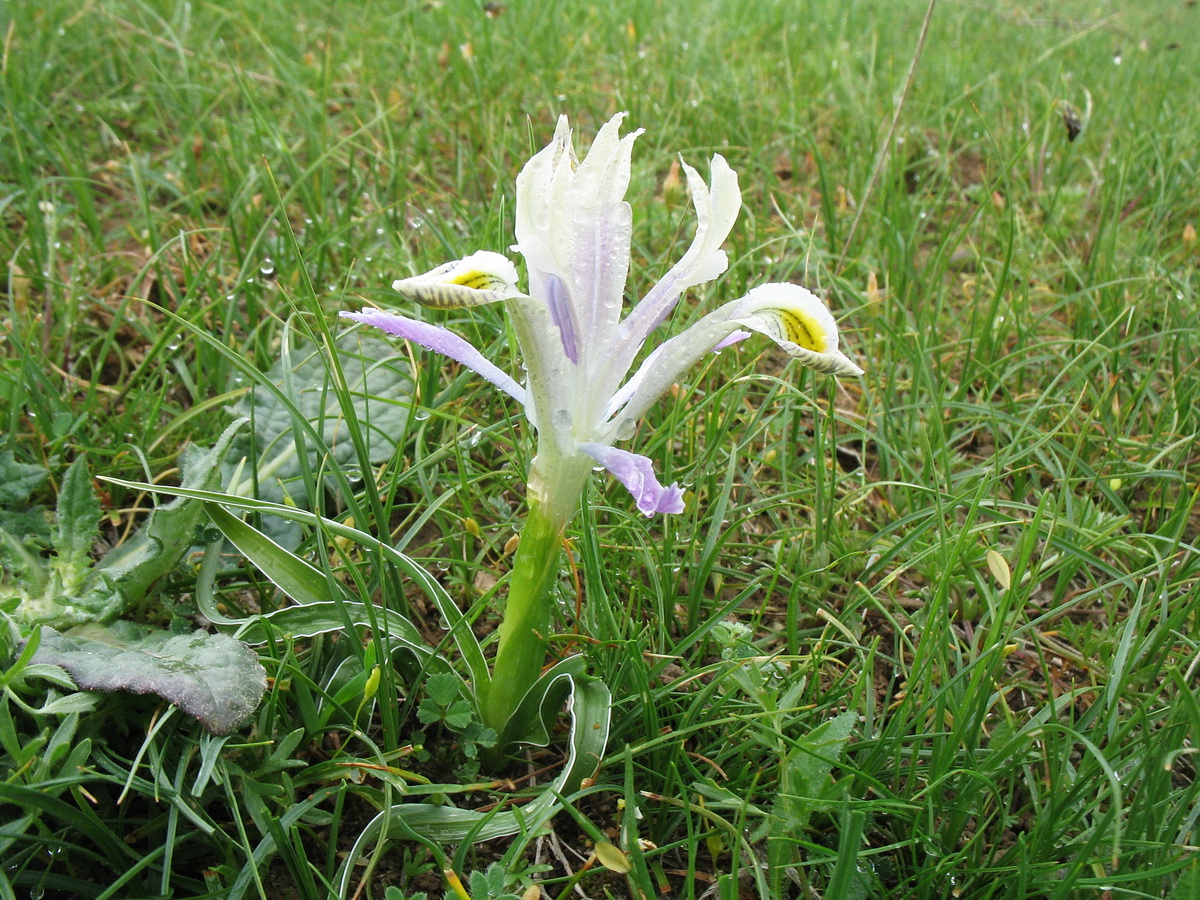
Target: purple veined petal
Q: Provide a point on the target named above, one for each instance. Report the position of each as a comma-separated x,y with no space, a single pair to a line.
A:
572,224
637,474
440,340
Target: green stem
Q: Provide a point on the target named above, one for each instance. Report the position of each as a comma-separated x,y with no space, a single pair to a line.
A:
526,621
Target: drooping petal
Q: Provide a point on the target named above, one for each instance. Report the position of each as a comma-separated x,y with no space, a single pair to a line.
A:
797,321
637,474
793,317
482,277
440,340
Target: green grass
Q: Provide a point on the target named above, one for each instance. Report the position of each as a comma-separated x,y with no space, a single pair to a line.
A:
1026,308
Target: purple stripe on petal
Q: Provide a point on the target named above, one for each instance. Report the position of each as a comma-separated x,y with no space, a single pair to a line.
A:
637,474
561,313
733,338
440,340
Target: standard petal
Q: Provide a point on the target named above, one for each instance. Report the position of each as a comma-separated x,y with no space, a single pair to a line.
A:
637,474
482,277
440,340
717,208
574,229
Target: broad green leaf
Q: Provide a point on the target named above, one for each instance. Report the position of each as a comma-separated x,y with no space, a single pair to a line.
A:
803,784
170,530
78,526
212,677
380,387
811,762
442,690
380,390
20,522
18,481
72,590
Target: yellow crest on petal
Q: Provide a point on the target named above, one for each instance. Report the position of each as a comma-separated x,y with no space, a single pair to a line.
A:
482,277
799,322
806,330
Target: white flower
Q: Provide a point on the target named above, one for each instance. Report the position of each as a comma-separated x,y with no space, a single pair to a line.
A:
573,228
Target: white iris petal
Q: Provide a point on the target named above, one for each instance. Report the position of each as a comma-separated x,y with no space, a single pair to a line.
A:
574,228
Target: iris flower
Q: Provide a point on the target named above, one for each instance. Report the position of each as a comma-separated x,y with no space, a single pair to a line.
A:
573,228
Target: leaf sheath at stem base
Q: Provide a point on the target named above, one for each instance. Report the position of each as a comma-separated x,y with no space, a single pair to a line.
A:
525,624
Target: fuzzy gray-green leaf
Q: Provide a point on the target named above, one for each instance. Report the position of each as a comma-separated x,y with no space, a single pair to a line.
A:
211,677
18,481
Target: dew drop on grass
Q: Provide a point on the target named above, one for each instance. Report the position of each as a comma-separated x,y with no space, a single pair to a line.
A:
267,269
421,415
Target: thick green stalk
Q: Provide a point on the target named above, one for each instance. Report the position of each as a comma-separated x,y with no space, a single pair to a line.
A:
526,621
